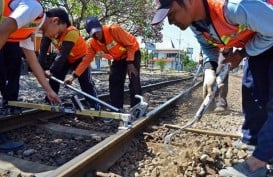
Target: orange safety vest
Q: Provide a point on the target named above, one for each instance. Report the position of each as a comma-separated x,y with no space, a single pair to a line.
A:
229,35
24,32
77,51
111,46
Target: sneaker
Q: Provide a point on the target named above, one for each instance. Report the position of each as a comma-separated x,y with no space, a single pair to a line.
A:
3,112
269,170
11,146
242,170
14,110
7,145
10,110
240,145
220,109
221,104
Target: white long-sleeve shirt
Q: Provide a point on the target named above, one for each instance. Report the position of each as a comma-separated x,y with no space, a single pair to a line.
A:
24,12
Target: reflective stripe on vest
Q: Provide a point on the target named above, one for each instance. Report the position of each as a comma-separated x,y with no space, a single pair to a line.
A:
230,35
112,47
24,32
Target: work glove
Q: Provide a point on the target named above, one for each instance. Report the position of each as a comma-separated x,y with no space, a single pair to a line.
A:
209,80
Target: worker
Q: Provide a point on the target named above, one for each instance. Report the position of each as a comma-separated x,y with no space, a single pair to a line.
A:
71,50
19,20
124,49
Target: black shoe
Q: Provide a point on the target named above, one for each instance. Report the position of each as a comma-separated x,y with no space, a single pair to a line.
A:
10,110
7,144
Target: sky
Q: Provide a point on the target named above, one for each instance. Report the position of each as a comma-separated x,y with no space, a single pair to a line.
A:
186,38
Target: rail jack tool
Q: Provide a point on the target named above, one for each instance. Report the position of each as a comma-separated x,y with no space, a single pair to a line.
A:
76,107
202,109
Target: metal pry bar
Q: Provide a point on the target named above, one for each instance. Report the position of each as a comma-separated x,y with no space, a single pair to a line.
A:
202,109
87,95
198,71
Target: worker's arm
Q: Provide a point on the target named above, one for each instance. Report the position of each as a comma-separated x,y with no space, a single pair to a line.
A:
39,73
8,26
23,12
89,57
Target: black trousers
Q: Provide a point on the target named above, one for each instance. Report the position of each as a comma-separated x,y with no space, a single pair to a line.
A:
86,82
118,71
257,102
10,64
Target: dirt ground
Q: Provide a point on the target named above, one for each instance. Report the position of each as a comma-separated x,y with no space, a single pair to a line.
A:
194,154
200,154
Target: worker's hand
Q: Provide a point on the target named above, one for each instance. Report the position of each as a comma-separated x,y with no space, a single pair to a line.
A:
48,73
69,80
53,97
131,70
234,59
209,80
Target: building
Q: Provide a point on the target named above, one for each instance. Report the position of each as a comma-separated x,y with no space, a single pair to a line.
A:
168,52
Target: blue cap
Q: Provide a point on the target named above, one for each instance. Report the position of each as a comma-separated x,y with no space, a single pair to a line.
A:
92,25
162,11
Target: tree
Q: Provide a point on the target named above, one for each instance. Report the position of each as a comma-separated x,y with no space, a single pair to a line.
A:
134,15
187,63
161,63
146,57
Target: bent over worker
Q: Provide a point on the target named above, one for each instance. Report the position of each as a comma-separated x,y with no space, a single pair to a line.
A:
19,20
72,48
124,48
235,23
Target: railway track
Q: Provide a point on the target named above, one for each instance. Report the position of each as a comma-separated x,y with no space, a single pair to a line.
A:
92,145
139,151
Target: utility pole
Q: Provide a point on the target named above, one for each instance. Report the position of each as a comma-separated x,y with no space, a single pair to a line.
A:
180,64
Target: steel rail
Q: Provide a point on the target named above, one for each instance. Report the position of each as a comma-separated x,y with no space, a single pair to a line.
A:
103,155
32,115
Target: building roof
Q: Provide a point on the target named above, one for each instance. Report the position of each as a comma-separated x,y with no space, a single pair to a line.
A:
166,45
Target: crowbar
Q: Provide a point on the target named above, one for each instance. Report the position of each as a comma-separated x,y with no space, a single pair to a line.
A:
202,109
86,95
